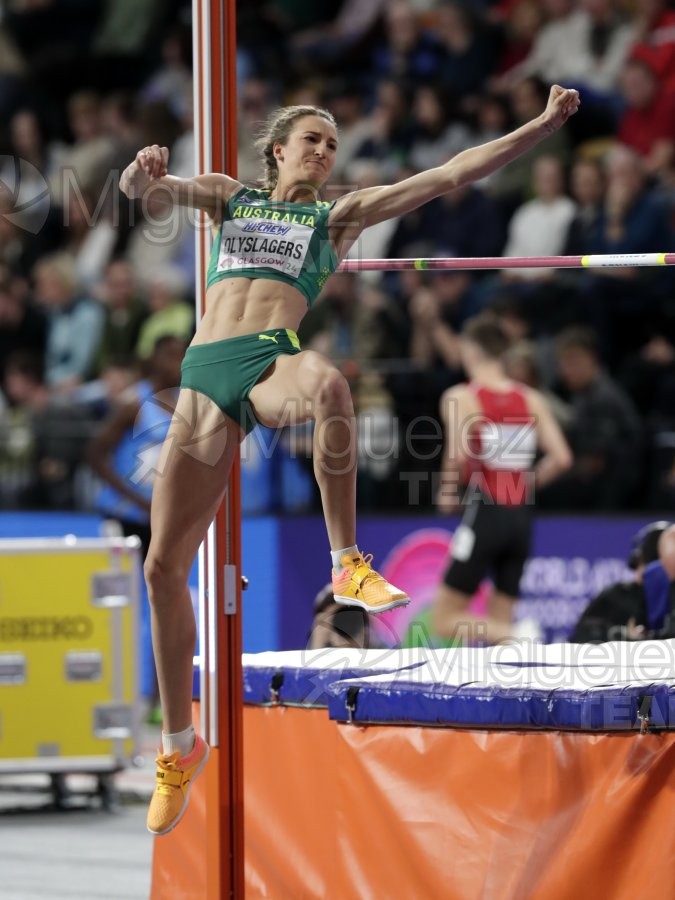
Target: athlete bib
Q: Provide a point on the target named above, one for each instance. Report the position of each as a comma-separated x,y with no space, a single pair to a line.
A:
246,244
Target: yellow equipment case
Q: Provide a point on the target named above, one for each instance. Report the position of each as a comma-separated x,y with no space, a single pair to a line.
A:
68,655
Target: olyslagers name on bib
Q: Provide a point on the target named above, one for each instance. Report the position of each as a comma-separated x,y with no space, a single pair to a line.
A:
279,242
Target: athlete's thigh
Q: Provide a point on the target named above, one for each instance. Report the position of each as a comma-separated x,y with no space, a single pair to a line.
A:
285,393
192,474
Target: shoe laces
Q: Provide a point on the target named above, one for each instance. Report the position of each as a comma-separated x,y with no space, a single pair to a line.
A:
371,574
169,763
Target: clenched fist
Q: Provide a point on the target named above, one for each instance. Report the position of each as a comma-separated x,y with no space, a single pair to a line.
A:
562,103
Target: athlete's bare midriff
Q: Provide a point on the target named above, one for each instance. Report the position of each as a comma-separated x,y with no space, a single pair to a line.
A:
237,306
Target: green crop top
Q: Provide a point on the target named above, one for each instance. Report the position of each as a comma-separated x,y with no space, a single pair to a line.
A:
262,238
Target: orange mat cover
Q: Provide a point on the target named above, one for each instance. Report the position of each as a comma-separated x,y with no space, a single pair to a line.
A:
338,811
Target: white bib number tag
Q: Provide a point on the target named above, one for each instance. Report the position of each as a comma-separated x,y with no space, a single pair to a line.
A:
463,542
257,244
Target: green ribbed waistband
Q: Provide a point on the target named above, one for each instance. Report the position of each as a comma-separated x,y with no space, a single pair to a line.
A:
241,346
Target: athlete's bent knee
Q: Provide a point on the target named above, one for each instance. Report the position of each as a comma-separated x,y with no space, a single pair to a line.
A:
333,394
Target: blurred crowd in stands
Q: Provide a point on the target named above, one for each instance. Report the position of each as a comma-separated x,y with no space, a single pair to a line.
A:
89,281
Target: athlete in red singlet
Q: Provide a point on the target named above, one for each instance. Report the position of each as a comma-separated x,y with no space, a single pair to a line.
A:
501,443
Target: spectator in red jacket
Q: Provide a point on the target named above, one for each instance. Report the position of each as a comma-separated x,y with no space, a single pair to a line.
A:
648,121
655,40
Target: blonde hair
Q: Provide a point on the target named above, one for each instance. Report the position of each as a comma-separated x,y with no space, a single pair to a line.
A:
276,130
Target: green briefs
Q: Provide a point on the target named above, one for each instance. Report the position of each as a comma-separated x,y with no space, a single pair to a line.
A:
226,371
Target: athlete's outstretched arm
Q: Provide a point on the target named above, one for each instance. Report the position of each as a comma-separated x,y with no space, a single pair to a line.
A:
361,209
149,172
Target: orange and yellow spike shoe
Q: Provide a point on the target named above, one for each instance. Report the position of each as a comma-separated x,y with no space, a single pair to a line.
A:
174,778
358,584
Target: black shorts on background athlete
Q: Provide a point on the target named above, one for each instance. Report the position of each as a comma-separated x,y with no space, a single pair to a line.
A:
491,540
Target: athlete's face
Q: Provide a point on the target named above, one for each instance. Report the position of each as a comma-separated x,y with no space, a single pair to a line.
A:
308,156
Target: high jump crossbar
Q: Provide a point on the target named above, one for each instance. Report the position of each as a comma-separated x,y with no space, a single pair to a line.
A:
597,261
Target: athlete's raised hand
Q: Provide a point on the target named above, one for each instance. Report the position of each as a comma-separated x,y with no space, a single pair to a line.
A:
153,160
562,103
150,163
